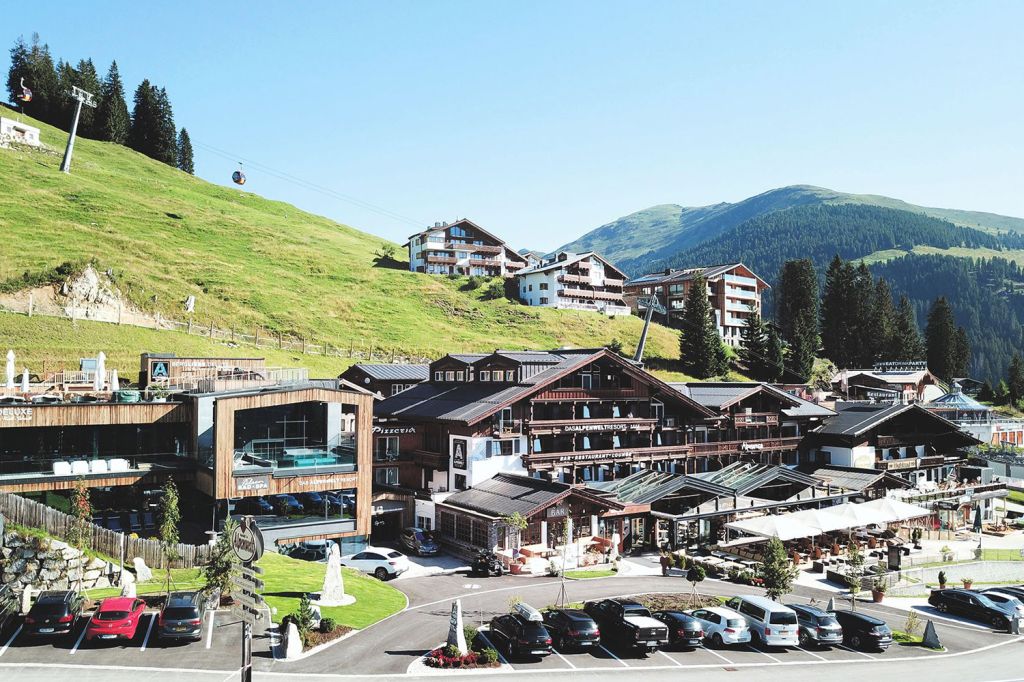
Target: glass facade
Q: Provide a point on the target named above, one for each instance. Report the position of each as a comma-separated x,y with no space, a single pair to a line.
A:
298,436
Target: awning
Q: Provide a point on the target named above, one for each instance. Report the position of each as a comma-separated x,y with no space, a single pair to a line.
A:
781,526
897,510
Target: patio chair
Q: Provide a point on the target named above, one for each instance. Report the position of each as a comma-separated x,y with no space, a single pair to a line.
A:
98,466
62,468
79,467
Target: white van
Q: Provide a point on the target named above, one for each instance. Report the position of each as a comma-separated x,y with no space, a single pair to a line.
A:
770,622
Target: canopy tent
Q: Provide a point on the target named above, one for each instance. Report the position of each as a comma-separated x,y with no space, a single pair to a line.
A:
857,515
783,527
897,510
822,519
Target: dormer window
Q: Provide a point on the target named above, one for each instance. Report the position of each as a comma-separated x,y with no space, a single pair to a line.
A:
485,375
510,375
496,375
438,376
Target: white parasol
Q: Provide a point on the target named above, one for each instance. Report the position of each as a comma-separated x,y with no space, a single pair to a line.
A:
115,383
24,381
10,370
101,371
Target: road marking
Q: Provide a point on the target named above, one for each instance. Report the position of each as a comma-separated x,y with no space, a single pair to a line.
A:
808,651
145,640
480,633
843,646
751,647
563,658
80,637
209,630
668,657
710,650
624,664
13,637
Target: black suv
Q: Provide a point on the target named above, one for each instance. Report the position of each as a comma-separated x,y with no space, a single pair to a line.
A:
817,627
54,613
182,616
861,631
683,629
571,628
973,605
519,636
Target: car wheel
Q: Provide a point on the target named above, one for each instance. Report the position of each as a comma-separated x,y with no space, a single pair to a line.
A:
716,641
855,641
380,573
805,640
941,606
999,623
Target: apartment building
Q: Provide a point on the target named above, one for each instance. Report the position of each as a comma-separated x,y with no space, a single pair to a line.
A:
734,292
572,281
462,248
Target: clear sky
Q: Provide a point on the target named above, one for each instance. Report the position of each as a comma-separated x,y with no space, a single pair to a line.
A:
543,120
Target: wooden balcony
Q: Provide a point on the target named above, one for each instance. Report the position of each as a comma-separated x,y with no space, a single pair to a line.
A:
442,260
590,293
910,463
485,262
747,419
660,453
473,248
727,447
539,427
590,394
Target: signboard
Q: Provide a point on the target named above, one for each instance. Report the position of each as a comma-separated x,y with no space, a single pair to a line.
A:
459,453
558,510
393,430
899,464
159,369
252,483
604,427
247,541
15,414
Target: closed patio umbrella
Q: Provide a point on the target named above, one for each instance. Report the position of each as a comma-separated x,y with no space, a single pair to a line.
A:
101,371
10,370
115,383
24,381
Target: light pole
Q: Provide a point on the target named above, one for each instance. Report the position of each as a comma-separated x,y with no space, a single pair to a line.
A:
82,97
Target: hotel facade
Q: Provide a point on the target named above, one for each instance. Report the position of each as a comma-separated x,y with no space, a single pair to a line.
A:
462,248
575,282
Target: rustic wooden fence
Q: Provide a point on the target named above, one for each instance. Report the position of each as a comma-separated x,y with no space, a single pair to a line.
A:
118,546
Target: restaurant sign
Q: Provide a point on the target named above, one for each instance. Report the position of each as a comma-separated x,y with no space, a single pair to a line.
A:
458,453
393,430
600,427
247,541
15,414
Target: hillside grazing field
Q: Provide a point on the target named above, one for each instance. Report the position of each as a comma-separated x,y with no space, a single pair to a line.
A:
1014,255
250,262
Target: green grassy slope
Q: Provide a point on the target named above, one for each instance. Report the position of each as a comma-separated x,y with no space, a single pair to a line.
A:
250,262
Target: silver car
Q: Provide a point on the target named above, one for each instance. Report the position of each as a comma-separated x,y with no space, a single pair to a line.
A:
722,626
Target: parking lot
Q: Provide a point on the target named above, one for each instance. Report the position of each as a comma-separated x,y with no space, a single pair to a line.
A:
218,650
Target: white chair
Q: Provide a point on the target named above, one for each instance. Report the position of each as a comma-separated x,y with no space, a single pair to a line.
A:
61,469
119,464
79,466
98,466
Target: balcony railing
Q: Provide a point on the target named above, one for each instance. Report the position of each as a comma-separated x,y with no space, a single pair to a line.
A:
588,293
574,393
756,419
512,427
646,454
443,260
746,446
910,463
479,248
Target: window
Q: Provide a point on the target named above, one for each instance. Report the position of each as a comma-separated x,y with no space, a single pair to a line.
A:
531,287
510,375
398,388
585,380
446,523
460,375
386,449
505,416
496,375
423,522
503,448
463,528
485,375
480,533
543,300
438,376
386,475
543,286
460,482
449,375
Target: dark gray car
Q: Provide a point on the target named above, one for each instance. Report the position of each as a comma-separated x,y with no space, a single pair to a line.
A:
182,616
418,541
817,627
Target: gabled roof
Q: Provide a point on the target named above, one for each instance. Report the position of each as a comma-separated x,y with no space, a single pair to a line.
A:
395,372
505,494
571,258
722,394
686,274
470,402
859,418
850,478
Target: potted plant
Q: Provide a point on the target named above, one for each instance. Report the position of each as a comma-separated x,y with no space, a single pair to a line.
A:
942,580
835,549
967,582
947,553
878,589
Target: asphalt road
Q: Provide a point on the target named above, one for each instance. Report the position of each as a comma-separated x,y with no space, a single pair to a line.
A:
387,649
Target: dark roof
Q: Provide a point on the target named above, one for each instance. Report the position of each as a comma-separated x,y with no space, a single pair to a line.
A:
395,372
850,478
855,419
460,221
506,494
687,274
719,395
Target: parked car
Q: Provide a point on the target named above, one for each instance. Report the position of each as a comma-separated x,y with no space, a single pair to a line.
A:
722,626
770,623
380,563
973,605
313,502
315,550
255,506
521,633
683,629
418,541
9,607
1006,599
182,616
817,627
288,503
861,631
627,624
571,628
54,613
116,618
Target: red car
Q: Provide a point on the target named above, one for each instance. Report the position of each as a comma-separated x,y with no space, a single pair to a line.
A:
116,618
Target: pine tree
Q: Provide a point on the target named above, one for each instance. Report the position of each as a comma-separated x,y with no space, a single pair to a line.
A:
700,347
1015,379
940,338
63,104
798,314
754,344
166,138
18,70
112,120
185,153
777,570
838,313
906,338
776,356
986,394
883,323
87,79
861,345
35,65
961,358
144,120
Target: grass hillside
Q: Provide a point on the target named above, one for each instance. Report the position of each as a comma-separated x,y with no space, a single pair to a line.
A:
250,262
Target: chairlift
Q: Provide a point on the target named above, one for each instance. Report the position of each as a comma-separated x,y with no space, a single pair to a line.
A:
238,177
25,95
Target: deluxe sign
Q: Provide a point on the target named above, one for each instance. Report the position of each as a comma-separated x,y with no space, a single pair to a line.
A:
247,541
15,414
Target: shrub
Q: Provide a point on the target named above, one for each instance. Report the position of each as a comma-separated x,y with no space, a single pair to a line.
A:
488,656
327,625
474,282
470,631
913,623
495,290
880,585
451,651
681,561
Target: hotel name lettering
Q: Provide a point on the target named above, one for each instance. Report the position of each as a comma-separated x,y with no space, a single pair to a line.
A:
601,427
15,414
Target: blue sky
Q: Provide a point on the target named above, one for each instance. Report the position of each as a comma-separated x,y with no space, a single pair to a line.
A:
543,120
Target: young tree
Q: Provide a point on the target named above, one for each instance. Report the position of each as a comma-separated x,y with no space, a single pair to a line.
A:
700,347
906,338
754,344
797,313
777,571
854,571
79,536
112,120
223,563
170,518
185,153
940,337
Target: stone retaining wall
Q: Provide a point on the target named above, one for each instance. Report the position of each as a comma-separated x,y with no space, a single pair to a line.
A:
46,564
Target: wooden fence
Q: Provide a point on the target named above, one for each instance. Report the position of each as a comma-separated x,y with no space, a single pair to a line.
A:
118,546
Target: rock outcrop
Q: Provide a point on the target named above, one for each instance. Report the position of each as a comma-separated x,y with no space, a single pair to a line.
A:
48,564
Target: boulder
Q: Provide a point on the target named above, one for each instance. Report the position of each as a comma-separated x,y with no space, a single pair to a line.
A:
60,584
128,590
292,642
53,564
49,575
16,566
101,581
127,577
5,552
69,554
74,574
28,577
90,576
28,552
59,544
31,565
95,562
142,572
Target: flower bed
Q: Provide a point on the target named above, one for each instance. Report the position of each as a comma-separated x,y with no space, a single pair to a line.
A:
443,657
315,638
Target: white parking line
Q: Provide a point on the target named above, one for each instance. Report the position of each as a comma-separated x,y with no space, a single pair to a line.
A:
567,661
846,648
500,657
78,643
809,652
624,664
145,641
670,658
751,647
712,651
13,637
209,631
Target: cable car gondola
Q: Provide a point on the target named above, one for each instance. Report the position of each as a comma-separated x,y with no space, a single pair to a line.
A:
238,177
25,95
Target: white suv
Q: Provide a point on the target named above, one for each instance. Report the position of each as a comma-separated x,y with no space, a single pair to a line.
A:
770,622
381,563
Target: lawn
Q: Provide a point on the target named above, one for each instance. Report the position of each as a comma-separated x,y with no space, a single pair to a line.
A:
1016,496
181,579
585,574
287,579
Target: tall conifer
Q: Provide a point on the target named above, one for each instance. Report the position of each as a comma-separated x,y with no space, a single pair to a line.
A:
112,120
700,347
185,162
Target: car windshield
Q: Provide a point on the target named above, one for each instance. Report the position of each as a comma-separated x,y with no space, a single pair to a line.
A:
394,555
985,601
534,629
635,611
50,609
782,618
422,537
111,615
180,613
736,623
827,622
